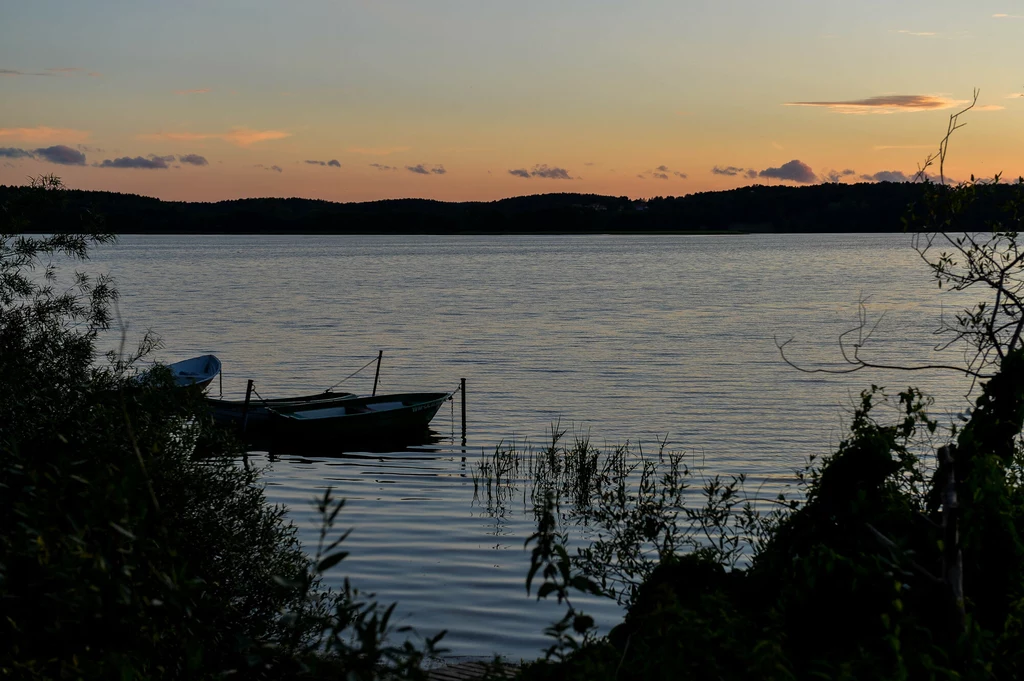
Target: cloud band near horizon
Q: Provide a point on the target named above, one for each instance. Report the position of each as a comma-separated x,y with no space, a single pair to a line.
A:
242,137
885,104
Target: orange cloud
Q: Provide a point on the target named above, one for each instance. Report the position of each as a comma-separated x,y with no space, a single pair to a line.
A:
887,104
243,137
197,91
377,151
41,133
989,107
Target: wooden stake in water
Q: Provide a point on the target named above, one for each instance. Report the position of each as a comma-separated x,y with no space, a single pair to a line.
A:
245,407
380,353
462,388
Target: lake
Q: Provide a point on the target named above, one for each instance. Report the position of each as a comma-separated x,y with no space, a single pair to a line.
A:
633,339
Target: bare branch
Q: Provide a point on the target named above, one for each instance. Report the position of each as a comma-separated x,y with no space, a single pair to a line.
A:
859,364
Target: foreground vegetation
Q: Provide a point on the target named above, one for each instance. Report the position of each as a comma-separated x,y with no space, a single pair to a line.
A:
134,546
903,558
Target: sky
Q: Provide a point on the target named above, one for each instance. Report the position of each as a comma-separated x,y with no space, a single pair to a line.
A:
358,100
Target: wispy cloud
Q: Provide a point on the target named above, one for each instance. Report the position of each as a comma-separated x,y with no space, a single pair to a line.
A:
197,91
41,133
377,151
11,152
54,72
924,34
543,170
887,176
240,136
989,107
423,169
152,163
733,171
550,172
1008,16
886,104
382,167
62,155
333,163
194,160
662,172
16,72
836,175
793,171
276,169
1014,95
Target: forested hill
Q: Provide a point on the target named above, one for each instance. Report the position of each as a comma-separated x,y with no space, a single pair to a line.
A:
817,208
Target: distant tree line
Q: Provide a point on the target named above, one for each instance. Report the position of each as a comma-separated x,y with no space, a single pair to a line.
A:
832,207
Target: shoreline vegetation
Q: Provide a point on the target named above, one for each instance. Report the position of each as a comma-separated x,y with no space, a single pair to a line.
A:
137,547
822,208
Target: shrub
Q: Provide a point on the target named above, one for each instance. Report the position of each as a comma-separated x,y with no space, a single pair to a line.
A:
124,553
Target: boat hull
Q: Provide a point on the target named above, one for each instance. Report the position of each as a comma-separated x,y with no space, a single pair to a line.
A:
231,413
196,373
384,418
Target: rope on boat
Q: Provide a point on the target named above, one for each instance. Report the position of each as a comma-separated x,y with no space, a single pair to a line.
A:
351,375
254,392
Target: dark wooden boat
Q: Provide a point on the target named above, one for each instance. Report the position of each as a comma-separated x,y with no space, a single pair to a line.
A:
392,417
230,413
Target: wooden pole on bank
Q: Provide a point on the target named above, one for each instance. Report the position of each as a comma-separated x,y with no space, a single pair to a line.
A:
380,353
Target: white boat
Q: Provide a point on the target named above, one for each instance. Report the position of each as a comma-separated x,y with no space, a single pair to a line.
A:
198,371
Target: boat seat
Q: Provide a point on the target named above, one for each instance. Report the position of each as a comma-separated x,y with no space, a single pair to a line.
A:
384,406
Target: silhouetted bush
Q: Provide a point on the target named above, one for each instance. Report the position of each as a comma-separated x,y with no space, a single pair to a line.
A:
902,560
124,553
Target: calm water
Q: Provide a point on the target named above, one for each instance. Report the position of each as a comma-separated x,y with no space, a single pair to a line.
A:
628,338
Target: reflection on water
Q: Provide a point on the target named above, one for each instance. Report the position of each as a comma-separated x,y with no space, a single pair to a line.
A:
402,444
627,339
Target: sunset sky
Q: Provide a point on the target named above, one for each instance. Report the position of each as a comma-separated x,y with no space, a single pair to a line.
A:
352,100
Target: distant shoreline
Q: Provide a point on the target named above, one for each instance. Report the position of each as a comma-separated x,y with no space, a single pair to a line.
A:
822,208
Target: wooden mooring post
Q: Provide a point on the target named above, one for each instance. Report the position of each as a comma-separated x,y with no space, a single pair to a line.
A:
245,407
380,353
462,389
